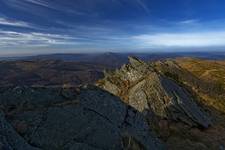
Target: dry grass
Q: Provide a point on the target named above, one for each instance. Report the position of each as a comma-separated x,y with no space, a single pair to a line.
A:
207,70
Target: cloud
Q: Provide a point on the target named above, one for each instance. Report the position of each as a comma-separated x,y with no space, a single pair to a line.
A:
38,2
35,5
23,4
8,22
196,39
189,22
32,39
143,6
16,23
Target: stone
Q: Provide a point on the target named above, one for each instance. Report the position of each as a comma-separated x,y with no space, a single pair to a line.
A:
9,138
150,90
60,118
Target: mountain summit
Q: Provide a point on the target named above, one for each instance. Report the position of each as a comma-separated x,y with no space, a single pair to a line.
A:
140,85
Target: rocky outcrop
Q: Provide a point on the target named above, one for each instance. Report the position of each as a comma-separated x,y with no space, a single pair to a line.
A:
142,86
81,118
9,138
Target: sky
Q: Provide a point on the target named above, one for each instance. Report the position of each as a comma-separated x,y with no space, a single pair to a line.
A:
80,26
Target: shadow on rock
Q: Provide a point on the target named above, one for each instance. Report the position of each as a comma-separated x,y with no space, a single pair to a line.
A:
72,118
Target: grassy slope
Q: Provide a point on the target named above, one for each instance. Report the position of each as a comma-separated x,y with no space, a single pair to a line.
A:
199,76
205,69
209,72
212,72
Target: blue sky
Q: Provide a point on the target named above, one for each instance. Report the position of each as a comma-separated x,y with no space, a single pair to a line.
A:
55,26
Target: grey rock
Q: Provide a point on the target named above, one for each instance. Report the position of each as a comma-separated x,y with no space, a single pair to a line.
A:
135,62
148,89
84,118
9,138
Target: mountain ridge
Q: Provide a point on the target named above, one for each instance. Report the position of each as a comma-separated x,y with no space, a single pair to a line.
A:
159,92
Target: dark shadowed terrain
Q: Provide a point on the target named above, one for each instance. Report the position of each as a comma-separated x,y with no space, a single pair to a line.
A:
46,73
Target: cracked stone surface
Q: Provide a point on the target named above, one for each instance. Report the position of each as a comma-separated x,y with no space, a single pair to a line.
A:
57,118
9,138
142,86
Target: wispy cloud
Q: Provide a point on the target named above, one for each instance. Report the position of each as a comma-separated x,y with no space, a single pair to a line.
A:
201,39
143,5
8,22
23,4
39,2
36,4
188,22
33,39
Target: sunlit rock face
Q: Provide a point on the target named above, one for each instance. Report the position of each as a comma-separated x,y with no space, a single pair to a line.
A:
70,118
142,86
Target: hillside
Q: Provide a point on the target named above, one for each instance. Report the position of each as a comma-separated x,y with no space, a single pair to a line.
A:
49,73
206,70
203,77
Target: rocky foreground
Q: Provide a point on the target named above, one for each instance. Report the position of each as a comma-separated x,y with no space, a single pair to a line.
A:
153,106
83,118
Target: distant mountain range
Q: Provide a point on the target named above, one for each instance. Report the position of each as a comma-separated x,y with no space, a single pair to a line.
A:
118,58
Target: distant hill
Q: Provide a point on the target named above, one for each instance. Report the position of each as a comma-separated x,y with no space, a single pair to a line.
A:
49,73
110,57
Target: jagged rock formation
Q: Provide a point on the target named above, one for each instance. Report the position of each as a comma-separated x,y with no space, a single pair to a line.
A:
82,118
142,86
